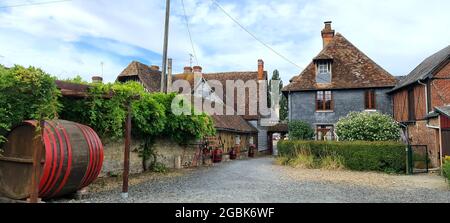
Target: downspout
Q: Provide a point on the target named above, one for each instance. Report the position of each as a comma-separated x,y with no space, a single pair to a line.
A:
290,106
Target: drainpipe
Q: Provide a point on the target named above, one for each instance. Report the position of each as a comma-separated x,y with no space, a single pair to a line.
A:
290,106
426,95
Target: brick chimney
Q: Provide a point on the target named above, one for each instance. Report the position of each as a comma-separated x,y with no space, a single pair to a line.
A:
261,70
327,34
197,69
187,70
97,79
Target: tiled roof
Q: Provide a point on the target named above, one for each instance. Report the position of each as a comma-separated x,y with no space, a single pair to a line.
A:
137,71
425,69
444,110
279,128
351,69
232,123
222,78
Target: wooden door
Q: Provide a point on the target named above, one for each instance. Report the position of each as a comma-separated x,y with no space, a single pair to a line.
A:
446,142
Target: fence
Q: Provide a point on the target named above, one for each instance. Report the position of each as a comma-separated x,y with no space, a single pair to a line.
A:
418,159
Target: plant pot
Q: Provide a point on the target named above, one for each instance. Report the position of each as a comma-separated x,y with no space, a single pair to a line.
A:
233,154
251,152
217,156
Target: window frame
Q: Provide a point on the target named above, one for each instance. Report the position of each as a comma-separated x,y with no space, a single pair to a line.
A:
370,99
323,99
328,70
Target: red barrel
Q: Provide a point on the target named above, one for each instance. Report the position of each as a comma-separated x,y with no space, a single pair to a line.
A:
73,158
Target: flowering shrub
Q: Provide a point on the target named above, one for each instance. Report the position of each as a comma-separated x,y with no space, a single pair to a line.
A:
365,126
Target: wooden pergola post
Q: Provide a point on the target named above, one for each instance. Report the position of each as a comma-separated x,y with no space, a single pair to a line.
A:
126,162
38,148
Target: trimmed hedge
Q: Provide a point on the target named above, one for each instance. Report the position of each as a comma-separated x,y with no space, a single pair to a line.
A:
358,155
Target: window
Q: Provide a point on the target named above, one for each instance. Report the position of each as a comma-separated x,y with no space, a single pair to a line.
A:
370,98
324,101
325,133
323,73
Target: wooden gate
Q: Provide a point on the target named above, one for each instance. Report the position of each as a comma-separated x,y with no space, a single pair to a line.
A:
446,142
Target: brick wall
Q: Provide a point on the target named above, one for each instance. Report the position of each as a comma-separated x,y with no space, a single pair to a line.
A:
440,88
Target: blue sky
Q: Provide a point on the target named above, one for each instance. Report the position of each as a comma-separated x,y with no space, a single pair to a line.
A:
74,38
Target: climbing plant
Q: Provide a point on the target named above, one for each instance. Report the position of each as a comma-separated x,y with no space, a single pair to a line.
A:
151,118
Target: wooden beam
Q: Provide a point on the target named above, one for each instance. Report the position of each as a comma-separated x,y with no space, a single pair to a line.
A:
126,162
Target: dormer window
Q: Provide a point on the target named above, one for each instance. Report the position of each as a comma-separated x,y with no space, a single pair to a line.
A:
323,75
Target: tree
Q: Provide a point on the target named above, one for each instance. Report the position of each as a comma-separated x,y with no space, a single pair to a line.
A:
299,130
283,99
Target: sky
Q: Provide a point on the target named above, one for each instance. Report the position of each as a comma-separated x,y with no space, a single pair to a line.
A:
75,37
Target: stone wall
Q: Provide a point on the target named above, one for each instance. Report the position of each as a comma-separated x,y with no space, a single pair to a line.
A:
166,150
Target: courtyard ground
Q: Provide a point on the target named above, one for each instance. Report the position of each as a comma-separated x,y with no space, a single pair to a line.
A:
260,180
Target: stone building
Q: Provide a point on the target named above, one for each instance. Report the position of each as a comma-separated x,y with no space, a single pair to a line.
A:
339,80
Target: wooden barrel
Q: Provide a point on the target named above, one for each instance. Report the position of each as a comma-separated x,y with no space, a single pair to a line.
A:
72,159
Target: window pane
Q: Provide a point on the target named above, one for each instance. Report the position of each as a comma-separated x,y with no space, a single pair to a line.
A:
319,100
320,105
370,99
323,73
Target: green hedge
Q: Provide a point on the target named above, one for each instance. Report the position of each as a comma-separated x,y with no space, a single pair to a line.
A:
446,168
359,155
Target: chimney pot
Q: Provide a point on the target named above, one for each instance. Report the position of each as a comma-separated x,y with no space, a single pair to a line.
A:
260,69
327,34
187,70
97,79
197,69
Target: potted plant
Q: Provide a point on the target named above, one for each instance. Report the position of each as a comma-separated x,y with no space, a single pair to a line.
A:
252,150
217,155
233,153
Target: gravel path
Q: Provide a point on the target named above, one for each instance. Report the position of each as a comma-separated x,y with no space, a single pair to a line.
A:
259,180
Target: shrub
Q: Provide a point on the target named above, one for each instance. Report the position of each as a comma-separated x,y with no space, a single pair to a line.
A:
26,93
299,130
367,126
302,161
332,163
446,168
358,155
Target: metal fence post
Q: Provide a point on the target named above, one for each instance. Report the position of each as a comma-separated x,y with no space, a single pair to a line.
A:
409,167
